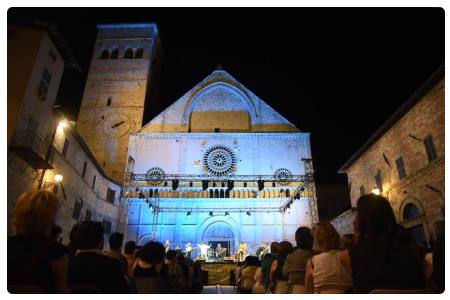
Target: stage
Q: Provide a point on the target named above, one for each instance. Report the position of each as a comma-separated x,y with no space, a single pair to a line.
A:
219,272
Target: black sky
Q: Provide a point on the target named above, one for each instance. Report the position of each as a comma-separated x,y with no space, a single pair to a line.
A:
337,73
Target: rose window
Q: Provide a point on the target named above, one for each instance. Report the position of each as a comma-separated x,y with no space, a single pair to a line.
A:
219,160
155,176
283,176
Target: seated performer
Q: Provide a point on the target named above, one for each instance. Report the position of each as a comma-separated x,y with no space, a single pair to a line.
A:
188,249
220,251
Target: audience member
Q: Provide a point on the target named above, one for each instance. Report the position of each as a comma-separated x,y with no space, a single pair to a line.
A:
295,265
384,256
55,234
325,272
33,258
266,263
90,267
248,274
438,272
258,287
279,283
115,246
348,240
71,247
150,263
130,255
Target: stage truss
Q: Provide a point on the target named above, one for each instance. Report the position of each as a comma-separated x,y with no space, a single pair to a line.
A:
137,182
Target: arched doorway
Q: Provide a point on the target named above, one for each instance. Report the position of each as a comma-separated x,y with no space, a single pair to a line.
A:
412,217
219,233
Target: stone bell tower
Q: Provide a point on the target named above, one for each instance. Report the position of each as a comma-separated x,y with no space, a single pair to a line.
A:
125,62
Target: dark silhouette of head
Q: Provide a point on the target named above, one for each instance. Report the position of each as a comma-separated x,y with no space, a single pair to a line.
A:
251,261
152,253
274,247
130,247
374,217
90,235
304,238
284,248
116,241
171,255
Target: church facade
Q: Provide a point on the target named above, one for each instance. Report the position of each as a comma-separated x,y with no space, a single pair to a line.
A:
218,166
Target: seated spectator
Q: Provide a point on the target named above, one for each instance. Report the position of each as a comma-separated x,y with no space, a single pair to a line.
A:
258,287
186,273
266,263
279,283
71,247
295,265
175,271
90,267
115,246
33,258
55,234
348,240
248,274
384,256
129,254
438,259
150,263
238,274
325,272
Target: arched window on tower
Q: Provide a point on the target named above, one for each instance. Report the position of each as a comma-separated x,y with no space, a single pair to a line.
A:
139,53
288,193
216,193
211,193
108,102
115,54
150,193
105,54
411,211
222,194
128,53
227,194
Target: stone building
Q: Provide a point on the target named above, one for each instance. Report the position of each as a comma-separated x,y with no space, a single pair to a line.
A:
124,66
405,160
193,171
37,56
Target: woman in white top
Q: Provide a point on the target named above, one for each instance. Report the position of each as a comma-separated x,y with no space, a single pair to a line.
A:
325,272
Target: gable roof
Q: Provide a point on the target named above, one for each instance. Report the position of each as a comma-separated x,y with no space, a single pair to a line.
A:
179,111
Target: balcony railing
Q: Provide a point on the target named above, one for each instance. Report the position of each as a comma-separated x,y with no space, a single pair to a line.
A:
32,149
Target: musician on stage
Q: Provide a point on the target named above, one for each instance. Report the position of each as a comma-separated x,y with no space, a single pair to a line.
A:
220,251
167,246
188,250
242,251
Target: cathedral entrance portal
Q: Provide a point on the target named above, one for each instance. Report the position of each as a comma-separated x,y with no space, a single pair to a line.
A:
219,233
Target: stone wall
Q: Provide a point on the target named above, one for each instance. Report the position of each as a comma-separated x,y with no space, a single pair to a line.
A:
424,184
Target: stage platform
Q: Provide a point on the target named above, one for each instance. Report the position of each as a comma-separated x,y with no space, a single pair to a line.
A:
219,273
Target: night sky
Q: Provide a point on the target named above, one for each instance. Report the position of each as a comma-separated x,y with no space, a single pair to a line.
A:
336,73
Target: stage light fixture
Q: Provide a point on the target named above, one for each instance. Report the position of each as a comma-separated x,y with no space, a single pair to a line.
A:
227,213
230,184
146,201
188,213
175,183
249,213
211,214
260,185
205,184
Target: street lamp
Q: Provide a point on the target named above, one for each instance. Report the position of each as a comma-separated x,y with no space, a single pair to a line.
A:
58,178
376,191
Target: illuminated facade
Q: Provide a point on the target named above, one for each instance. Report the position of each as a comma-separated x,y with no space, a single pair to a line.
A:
218,131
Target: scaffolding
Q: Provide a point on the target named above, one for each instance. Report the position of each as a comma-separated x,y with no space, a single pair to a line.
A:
139,182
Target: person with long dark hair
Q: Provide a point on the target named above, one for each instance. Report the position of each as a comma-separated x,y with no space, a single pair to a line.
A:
384,256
